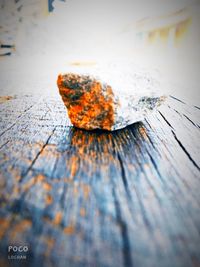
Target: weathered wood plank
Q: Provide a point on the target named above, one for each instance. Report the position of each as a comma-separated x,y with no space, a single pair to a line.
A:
78,198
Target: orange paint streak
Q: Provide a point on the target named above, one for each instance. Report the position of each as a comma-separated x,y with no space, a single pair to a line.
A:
83,212
4,225
75,191
20,227
74,167
58,218
40,178
69,230
37,179
143,132
48,199
47,186
50,243
86,190
3,262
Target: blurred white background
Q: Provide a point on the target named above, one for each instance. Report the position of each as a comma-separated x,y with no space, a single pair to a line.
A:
158,35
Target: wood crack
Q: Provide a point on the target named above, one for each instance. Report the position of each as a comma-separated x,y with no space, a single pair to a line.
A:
37,156
19,117
123,175
126,250
4,144
180,143
196,125
166,120
177,99
185,150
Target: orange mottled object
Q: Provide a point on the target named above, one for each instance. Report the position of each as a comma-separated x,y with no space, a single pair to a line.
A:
89,102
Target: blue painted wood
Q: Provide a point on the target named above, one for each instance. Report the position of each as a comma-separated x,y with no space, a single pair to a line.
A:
78,198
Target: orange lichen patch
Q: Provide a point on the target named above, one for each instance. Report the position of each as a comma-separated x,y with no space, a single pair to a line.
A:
89,102
69,230
20,227
48,200
82,212
47,186
4,225
58,218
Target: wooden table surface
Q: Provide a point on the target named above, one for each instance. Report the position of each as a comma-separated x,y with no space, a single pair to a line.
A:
128,198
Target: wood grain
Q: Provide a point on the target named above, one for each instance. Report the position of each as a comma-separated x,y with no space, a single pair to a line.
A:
99,199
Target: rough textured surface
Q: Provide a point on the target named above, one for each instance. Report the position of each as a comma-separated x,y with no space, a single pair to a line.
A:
93,104
90,103
83,199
